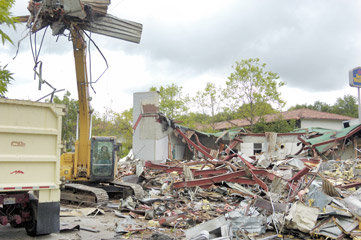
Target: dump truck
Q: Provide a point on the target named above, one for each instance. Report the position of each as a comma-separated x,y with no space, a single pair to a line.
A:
30,145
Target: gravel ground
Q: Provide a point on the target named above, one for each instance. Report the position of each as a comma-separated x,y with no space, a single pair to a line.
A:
106,224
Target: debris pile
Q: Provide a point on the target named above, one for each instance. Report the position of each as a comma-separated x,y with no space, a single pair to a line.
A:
240,185
233,199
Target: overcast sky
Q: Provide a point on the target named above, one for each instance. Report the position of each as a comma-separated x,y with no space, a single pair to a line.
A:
311,44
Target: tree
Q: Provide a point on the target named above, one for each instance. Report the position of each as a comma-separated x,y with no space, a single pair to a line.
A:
279,126
69,120
124,122
5,79
5,17
254,88
209,100
196,121
115,124
172,103
346,106
260,109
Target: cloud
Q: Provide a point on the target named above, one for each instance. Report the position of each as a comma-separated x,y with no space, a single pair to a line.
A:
311,44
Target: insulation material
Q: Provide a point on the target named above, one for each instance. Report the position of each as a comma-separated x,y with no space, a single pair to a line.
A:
302,217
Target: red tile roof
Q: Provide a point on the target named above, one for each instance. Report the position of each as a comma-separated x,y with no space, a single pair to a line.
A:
297,114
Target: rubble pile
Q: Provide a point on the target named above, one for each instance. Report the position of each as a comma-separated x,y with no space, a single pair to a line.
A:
240,185
234,199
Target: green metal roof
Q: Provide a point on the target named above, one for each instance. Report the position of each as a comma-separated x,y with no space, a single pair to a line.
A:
332,135
312,129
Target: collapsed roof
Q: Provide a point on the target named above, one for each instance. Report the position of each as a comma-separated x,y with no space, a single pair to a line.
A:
325,140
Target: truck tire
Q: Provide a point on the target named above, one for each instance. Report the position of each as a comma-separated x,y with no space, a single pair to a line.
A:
15,225
30,226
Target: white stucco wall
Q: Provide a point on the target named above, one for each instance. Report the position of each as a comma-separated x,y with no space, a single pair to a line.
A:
150,143
288,141
324,123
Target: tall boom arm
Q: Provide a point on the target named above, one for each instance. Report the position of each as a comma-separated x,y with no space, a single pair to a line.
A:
82,146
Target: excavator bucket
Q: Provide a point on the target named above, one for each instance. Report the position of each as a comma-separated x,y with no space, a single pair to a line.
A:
89,15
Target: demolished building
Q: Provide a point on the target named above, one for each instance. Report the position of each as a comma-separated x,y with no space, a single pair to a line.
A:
157,138
249,183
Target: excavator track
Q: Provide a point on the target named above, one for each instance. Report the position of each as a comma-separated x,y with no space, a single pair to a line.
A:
80,193
99,194
137,189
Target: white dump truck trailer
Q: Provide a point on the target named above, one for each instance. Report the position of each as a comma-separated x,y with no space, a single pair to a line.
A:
30,143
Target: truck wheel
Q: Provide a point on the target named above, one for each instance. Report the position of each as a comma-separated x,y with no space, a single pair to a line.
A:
30,228
15,225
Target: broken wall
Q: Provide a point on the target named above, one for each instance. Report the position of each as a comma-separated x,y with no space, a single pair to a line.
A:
153,141
282,146
149,141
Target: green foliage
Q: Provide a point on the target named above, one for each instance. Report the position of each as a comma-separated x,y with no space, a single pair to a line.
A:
253,88
209,99
69,120
261,109
347,105
226,115
278,126
110,123
5,17
115,124
196,120
5,78
172,102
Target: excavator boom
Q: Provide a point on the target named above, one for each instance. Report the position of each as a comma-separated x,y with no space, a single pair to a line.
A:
82,146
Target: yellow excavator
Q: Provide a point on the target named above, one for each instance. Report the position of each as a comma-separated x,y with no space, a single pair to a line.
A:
94,159
91,168
88,172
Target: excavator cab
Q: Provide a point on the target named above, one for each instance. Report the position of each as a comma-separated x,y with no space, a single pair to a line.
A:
102,159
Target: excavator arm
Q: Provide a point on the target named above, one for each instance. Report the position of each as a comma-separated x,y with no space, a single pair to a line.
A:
82,145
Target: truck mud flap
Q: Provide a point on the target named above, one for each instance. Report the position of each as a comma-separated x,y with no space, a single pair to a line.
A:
46,218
